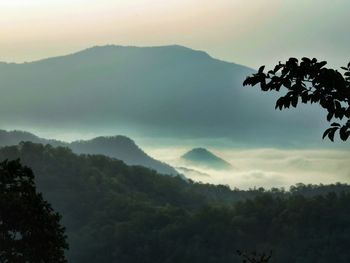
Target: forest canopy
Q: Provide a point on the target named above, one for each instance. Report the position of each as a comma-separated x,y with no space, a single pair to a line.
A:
114,212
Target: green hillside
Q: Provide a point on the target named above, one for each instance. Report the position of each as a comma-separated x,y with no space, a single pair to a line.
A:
130,214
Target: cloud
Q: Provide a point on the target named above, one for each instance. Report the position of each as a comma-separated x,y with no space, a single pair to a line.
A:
256,175
274,167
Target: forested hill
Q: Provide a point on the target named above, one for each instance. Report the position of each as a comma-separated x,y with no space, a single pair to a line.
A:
96,194
122,148
8,138
119,147
130,214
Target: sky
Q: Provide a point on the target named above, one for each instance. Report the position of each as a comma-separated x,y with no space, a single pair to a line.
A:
249,32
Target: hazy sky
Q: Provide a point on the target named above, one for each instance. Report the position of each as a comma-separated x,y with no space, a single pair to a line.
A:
250,32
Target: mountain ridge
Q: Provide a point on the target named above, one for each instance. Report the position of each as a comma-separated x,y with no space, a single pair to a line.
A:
115,46
119,146
159,92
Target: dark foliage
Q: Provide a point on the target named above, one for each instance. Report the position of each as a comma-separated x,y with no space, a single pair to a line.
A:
30,230
130,214
254,257
310,81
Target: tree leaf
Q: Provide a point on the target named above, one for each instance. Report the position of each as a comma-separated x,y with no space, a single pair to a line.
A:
261,69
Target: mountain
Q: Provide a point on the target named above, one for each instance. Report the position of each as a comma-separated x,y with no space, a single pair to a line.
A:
119,147
14,137
152,92
8,138
203,157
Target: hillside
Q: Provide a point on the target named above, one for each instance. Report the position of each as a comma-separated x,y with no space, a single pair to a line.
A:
14,137
95,193
130,214
166,92
119,147
204,158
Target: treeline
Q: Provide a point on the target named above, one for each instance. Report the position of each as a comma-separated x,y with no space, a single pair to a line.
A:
119,213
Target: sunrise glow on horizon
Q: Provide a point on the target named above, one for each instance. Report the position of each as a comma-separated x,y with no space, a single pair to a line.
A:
246,32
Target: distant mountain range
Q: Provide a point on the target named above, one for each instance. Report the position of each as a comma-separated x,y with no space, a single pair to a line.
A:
168,92
204,158
119,147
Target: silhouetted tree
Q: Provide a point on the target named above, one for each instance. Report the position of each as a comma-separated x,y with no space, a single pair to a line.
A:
310,81
29,228
254,257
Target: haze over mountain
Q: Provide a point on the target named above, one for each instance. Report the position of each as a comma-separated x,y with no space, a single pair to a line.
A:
119,147
162,92
204,158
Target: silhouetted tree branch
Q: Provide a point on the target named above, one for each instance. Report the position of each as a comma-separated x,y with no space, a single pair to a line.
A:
310,81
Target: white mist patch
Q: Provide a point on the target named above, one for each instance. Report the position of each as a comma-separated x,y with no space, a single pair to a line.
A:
267,167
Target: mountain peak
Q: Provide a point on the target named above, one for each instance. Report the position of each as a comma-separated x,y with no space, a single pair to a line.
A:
203,157
120,139
115,47
199,150
172,49
123,148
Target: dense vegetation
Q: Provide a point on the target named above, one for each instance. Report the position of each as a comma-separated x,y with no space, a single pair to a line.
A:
119,213
30,230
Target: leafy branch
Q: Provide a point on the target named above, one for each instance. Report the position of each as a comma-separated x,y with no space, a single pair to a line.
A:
310,82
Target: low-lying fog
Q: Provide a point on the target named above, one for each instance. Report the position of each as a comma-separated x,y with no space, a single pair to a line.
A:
252,167
267,167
